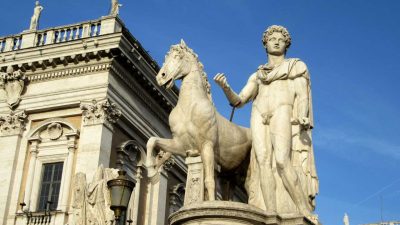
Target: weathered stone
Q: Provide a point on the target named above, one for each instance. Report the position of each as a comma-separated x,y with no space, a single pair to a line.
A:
231,213
281,123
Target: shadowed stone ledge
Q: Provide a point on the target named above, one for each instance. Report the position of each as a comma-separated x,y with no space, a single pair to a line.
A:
231,213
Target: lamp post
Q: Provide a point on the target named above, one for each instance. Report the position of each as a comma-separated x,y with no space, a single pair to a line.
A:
121,189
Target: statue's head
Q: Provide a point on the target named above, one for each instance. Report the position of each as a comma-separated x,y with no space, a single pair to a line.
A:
38,6
275,39
177,64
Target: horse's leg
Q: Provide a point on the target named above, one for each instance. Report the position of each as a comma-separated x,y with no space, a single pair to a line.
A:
207,156
169,146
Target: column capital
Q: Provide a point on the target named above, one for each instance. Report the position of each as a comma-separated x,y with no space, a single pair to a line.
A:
35,141
72,141
13,123
100,112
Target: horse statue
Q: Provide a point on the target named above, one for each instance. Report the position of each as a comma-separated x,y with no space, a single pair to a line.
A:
197,128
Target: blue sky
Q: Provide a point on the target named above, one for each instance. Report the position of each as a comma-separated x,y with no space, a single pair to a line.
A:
352,50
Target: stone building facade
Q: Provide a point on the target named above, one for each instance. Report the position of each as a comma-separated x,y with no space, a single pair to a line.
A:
74,99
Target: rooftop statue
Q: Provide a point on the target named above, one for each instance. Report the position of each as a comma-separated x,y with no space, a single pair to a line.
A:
115,7
281,122
197,128
36,16
346,220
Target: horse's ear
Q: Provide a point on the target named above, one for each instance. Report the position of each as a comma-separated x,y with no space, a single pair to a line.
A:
183,44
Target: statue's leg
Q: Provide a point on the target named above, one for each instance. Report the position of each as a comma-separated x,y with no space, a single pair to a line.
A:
155,144
263,152
281,137
207,156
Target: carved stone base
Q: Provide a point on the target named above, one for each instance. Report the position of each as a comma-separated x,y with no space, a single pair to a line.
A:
230,213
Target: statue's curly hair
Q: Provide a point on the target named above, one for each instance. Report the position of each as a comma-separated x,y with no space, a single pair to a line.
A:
277,28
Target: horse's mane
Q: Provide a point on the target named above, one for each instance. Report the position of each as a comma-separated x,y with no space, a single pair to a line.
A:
182,48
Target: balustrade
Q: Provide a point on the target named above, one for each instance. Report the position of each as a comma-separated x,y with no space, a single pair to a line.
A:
17,41
51,36
2,45
68,33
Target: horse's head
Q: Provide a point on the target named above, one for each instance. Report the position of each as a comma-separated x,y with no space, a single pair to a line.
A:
177,64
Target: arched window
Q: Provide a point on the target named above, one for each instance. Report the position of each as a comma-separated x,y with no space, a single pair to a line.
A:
52,146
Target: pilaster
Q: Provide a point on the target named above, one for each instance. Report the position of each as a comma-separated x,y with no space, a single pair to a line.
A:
158,198
63,206
11,128
96,135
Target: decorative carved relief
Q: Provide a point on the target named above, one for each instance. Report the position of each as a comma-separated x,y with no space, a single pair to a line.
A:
100,112
54,131
176,197
79,204
195,190
13,83
59,74
12,124
130,155
91,201
165,160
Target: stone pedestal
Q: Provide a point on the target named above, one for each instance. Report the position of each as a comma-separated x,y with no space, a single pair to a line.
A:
194,192
230,213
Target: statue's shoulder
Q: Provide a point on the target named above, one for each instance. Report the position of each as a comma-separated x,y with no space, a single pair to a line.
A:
297,67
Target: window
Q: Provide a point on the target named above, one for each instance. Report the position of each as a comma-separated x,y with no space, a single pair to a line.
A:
50,185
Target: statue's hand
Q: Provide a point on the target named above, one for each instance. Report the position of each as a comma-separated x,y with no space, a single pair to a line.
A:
304,122
220,79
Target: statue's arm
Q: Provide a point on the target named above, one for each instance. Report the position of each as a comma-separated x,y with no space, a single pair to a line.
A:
248,92
301,84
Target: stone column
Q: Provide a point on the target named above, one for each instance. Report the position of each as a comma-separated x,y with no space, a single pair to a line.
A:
11,128
136,199
157,195
158,198
68,172
96,135
31,172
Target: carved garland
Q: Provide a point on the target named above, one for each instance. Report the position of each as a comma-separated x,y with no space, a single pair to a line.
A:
12,124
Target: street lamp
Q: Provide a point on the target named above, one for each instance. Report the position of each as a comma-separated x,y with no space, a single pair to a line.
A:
121,189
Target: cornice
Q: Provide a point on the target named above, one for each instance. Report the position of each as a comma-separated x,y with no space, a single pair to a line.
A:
140,92
73,71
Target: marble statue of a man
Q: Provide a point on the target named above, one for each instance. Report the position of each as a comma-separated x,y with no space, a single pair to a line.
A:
36,15
281,110
115,7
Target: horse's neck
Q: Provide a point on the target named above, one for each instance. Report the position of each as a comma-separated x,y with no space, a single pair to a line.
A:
192,88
